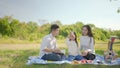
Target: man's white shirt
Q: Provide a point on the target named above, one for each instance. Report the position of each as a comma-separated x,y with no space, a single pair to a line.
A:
49,42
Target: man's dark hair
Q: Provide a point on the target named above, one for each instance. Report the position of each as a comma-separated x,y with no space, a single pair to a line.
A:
54,27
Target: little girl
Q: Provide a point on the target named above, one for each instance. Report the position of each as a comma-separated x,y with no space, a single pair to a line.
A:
73,47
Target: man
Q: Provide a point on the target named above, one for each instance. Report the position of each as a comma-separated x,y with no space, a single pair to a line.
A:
48,45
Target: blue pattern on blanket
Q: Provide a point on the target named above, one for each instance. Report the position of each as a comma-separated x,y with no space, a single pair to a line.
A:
98,61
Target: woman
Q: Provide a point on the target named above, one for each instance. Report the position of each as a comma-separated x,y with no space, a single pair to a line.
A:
87,43
87,40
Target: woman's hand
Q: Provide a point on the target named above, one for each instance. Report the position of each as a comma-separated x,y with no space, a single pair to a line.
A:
84,53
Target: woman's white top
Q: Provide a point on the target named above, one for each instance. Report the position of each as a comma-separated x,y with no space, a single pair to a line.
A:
87,43
72,47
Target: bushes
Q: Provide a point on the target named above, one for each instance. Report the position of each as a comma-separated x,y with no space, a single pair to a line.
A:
13,28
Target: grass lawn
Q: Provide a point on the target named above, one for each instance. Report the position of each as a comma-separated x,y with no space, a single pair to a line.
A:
18,58
16,55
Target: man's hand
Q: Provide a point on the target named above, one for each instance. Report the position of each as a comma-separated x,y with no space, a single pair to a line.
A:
52,50
48,50
57,51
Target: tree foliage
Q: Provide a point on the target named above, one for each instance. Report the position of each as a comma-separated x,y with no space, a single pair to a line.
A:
13,28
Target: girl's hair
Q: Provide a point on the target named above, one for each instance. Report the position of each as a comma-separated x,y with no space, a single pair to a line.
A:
75,38
89,30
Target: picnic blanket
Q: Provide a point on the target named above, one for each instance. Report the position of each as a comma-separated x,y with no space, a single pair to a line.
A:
99,60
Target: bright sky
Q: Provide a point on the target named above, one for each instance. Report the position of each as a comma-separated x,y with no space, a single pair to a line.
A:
102,13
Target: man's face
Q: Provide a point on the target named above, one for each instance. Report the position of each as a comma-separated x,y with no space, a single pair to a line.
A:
56,32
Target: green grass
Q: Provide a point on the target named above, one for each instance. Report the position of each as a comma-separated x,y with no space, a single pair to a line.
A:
16,56
18,59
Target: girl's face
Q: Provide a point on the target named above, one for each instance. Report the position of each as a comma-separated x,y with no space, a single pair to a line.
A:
84,31
72,36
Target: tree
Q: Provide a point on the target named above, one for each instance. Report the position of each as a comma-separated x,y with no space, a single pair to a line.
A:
14,26
11,27
4,26
32,27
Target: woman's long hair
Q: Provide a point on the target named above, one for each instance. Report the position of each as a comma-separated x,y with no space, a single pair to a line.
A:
89,30
90,34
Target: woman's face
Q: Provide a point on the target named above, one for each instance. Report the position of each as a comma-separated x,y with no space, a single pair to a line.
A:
84,31
72,36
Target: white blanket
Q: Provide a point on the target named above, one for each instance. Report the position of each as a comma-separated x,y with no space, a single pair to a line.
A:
99,60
